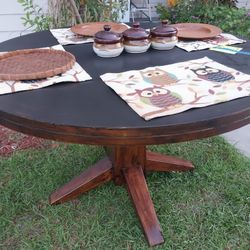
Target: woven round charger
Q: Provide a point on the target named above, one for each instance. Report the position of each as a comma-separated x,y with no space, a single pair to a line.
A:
34,64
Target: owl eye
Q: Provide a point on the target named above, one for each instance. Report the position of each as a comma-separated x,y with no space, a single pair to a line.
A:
149,74
158,73
211,70
160,91
201,72
146,93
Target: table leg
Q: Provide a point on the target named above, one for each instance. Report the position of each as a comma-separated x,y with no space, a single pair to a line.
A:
138,190
166,163
126,166
128,163
94,176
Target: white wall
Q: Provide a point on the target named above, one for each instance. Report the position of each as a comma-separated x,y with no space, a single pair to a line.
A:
10,18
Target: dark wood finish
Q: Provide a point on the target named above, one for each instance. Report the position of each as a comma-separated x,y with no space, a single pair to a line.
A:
126,166
91,113
138,190
131,136
125,157
94,176
166,163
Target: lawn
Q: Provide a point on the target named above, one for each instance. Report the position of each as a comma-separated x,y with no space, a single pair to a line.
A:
206,209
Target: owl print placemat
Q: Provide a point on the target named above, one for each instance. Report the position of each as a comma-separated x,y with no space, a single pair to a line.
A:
171,89
222,39
75,74
65,37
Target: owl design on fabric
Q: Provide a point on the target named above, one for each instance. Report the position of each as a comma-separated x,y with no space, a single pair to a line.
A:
159,97
158,77
212,74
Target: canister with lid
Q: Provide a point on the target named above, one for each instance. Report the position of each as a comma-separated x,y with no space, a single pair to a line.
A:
136,39
164,37
107,43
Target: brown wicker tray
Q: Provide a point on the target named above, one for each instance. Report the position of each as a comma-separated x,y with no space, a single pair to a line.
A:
34,64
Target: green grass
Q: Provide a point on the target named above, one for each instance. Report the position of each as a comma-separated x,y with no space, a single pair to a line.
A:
206,209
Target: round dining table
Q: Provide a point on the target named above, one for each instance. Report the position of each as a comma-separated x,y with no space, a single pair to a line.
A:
92,113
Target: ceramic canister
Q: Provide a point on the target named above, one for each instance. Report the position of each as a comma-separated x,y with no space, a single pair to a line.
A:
107,43
136,39
164,37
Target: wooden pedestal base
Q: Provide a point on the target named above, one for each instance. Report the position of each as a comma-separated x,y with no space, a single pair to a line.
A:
126,165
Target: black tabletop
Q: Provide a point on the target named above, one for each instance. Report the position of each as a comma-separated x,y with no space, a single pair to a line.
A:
92,104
